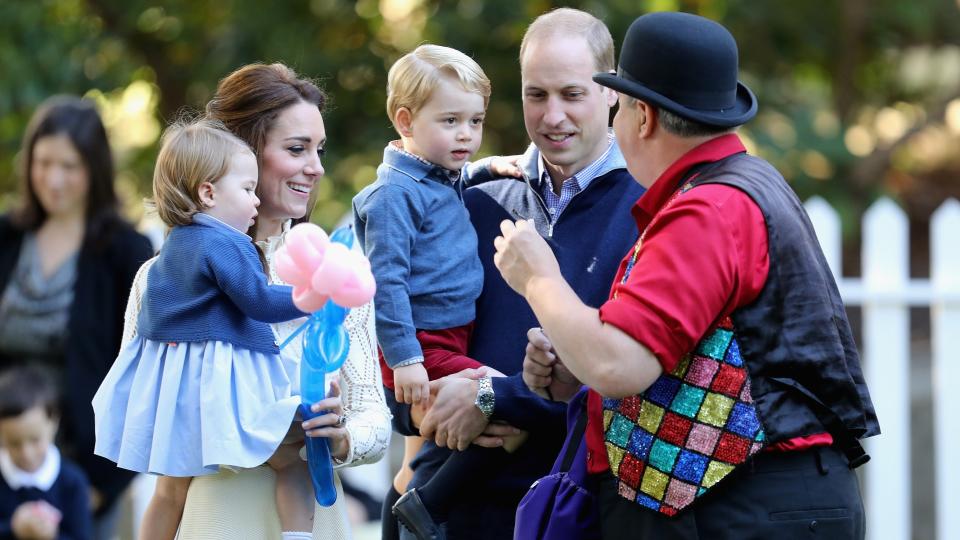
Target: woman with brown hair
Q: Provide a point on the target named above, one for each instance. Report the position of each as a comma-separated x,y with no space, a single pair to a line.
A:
280,116
67,259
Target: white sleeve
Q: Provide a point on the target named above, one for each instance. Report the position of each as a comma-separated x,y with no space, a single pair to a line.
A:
134,302
368,418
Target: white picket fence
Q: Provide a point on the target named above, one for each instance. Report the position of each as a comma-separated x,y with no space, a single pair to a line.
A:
885,293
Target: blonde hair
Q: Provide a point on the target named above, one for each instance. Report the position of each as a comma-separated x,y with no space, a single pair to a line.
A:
414,76
573,22
191,153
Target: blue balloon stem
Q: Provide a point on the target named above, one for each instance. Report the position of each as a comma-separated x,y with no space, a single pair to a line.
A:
319,463
325,348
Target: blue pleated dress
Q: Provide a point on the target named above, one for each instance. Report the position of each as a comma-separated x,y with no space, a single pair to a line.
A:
177,405
185,409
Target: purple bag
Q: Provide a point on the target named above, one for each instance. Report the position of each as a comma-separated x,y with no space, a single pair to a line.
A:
560,506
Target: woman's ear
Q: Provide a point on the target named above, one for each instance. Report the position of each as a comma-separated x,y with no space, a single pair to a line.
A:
403,120
207,194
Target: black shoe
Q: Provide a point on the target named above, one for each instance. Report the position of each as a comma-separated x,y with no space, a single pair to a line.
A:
413,515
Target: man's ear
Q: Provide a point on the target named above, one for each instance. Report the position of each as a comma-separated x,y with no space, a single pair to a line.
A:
612,96
646,118
402,120
207,194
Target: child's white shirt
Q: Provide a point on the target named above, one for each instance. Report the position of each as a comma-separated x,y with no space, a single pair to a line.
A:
42,479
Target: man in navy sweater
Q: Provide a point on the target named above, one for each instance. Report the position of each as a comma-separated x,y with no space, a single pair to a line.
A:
577,192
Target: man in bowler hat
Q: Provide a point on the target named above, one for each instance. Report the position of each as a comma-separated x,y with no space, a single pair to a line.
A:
727,396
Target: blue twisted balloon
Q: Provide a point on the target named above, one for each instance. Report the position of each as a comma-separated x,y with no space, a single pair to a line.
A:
325,348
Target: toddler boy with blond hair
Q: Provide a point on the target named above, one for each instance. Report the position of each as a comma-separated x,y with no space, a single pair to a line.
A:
415,230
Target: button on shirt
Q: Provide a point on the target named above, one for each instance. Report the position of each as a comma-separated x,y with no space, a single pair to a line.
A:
571,186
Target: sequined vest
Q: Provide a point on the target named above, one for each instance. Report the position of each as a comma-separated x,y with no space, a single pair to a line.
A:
785,366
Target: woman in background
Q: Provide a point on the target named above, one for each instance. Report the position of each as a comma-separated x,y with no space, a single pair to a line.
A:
67,260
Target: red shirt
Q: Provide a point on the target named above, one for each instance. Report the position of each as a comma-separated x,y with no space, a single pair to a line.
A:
444,353
701,258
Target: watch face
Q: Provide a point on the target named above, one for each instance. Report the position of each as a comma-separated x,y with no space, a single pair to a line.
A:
485,399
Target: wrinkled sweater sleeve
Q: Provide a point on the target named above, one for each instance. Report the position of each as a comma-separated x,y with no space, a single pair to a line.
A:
237,271
388,221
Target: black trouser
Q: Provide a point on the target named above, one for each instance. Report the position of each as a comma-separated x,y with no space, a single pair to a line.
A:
782,495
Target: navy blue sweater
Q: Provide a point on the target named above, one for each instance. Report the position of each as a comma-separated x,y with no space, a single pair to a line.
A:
589,239
69,494
208,284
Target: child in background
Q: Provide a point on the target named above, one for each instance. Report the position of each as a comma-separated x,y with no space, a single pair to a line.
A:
43,496
201,386
415,230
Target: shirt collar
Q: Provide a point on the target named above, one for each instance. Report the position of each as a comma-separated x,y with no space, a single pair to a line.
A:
42,479
667,183
414,166
210,221
611,159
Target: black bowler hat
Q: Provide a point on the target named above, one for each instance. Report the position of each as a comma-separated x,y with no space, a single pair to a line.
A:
685,64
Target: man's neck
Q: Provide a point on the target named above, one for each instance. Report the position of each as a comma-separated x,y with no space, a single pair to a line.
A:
664,151
559,173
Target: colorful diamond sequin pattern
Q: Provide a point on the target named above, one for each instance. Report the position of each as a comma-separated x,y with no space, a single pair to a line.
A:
690,429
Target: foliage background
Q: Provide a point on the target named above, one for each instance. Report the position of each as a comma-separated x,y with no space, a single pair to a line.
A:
858,97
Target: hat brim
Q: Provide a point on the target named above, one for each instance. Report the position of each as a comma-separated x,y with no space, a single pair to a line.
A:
743,110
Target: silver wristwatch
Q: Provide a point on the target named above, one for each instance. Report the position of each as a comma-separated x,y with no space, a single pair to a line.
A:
485,396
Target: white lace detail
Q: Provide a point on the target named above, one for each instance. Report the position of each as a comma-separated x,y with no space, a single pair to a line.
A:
137,289
368,418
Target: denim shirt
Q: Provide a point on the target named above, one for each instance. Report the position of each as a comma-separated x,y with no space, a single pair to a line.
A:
414,228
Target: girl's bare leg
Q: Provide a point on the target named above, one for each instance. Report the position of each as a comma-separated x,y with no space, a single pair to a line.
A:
294,491
162,517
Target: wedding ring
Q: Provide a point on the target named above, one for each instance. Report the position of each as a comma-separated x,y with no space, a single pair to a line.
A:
341,420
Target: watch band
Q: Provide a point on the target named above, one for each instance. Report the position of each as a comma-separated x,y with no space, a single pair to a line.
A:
485,396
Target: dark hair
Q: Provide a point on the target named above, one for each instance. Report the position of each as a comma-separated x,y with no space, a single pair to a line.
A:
685,127
79,121
249,100
25,387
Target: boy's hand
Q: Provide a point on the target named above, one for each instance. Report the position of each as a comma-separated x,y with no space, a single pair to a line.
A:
47,512
411,383
506,166
35,521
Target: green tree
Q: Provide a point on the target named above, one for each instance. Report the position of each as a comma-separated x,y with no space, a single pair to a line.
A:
847,88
